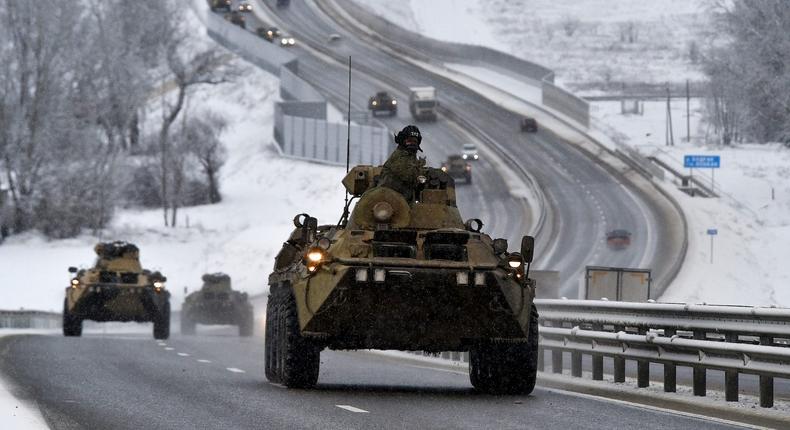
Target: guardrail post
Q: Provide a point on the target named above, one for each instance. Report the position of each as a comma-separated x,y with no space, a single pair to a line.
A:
597,360
642,369
619,363
670,370
541,359
576,364
700,375
731,376
766,382
556,361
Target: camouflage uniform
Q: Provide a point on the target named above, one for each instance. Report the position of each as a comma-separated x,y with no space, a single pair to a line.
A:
402,168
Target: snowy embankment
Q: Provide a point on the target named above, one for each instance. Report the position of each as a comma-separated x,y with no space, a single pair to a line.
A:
753,227
240,236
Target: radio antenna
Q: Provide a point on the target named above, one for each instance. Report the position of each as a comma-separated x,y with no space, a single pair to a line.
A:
344,217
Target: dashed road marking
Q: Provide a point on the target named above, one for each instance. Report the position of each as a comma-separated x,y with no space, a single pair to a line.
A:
204,361
234,370
169,348
183,354
352,409
162,344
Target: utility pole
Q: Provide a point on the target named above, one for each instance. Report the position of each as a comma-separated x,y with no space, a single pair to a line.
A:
670,135
688,112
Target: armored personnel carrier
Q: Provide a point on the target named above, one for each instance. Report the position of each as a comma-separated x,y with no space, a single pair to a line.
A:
116,288
217,303
405,275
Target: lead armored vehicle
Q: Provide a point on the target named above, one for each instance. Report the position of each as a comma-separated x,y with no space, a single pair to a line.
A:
404,275
116,288
458,168
217,303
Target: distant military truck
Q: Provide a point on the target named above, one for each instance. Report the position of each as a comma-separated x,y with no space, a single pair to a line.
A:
382,101
217,303
116,288
458,168
422,103
236,18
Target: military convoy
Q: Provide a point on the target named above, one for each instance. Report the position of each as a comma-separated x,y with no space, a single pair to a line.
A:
116,288
217,303
406,275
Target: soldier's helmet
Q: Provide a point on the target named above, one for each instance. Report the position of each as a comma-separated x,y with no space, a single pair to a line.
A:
409,138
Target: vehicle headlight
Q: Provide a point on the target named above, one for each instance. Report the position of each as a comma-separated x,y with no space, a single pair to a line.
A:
159,285
291,41
464,156
515,261
313,258
476,156
283,41
444,168
75,282
394,102
374,103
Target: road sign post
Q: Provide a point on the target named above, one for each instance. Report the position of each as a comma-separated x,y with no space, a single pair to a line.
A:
703,161
712,232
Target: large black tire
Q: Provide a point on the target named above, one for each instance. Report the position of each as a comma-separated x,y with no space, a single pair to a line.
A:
72,325
246,325
162,323
187,324
296,359
506,368
270,335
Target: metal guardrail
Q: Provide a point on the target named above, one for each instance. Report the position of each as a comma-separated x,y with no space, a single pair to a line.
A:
30,319
733,339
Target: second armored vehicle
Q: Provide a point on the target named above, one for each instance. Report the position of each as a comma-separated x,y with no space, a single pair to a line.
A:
217,303
116,288
383,102
457,167
407,275
470,152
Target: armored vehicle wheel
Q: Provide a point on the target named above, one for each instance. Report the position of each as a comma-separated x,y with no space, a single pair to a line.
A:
502,368
72,325
297,359
162,323
187,324
246,325
270,357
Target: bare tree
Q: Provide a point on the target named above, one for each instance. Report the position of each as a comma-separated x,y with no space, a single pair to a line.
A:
202,136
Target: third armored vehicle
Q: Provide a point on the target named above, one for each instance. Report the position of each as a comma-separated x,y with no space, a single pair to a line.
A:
457,167
217,303
116,288
407,275
383,102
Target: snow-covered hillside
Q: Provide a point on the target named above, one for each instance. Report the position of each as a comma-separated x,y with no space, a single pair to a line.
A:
584,41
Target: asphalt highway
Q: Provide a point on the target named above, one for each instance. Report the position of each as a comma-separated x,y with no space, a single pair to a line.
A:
215,381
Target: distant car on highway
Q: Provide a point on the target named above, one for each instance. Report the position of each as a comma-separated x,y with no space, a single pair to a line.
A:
245,7
529,125
236,18
270,33
334,37
618,239
458,168
287,41
469,152
220,5
382,101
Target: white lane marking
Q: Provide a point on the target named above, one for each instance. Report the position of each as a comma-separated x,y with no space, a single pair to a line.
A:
438,369
234,370
162,344
352,409
204,361
183,354
169,349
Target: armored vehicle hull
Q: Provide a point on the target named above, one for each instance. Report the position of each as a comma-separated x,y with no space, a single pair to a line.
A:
116,289
216,303
402,275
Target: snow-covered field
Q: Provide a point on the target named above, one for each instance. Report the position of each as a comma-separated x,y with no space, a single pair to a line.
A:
585,41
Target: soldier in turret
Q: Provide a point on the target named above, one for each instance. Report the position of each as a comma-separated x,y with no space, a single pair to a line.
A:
402,168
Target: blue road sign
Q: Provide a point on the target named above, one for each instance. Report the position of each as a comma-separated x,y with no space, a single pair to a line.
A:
713,231
702,161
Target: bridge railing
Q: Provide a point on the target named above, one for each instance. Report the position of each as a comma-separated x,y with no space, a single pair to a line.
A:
30,319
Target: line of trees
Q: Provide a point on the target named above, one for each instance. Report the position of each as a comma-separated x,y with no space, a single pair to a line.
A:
92,112
749,71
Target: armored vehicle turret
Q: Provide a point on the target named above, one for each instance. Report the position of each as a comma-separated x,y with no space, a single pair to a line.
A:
405,275
116,288
217,303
